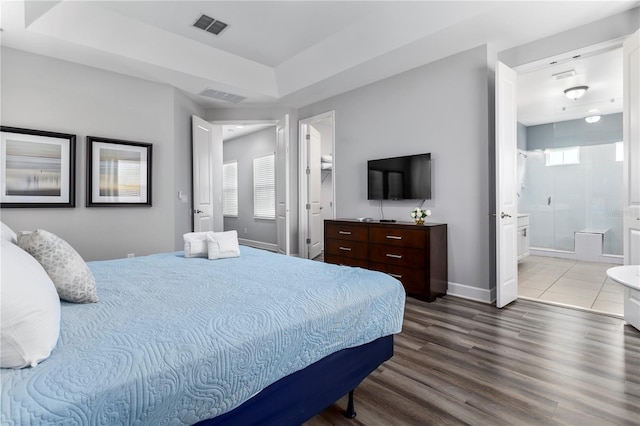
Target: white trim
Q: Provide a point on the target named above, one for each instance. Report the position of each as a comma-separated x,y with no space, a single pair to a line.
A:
570,255
560,254
303,250
472,293
258,244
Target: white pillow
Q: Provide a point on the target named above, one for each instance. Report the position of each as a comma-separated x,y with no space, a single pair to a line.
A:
8,234
29,311
68,271
195,244
223,245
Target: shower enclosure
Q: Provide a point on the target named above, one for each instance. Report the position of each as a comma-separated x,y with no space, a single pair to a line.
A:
570,181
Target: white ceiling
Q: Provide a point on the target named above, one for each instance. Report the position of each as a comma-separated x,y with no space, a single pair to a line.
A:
541,97
284,53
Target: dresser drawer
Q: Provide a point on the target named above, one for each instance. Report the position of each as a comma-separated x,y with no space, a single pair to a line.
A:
347,261
397,255
397,236
346,248
411,279
346,232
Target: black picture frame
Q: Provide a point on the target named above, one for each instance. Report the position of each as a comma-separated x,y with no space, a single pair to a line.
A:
119,172
37,168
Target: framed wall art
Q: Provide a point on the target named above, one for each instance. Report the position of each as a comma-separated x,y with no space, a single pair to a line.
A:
37,168
118,172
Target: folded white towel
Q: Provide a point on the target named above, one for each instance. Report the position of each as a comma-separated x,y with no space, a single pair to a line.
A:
195,244
326,158
223,245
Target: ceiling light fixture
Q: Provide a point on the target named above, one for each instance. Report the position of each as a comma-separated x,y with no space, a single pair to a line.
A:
575,92
592,119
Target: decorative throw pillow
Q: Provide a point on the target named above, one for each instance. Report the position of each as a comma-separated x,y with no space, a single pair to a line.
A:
8,234
195,244
223,245
29,310
70,274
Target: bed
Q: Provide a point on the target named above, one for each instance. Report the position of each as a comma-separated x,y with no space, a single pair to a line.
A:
258,339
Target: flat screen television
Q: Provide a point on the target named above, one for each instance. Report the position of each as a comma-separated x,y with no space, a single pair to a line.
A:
399,178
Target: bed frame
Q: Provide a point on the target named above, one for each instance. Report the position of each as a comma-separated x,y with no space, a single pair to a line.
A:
298,397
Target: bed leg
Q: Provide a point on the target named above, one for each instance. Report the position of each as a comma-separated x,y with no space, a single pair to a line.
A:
351,412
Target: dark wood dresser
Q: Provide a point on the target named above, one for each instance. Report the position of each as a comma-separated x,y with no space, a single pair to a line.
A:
414,254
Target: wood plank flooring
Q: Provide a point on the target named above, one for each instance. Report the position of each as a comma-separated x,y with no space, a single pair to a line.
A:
463,362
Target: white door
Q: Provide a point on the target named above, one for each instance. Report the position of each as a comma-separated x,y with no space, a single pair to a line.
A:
207,176
314,193
282,185
506,178
631,136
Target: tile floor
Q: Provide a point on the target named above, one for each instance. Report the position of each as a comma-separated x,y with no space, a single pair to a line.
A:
570,282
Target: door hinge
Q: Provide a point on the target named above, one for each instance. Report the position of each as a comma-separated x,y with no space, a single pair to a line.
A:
308,136
308,171
308,206
308,240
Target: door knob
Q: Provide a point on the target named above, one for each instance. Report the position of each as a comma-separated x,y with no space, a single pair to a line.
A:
198,211
503,215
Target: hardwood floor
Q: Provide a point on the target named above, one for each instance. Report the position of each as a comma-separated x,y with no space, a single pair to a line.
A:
462,362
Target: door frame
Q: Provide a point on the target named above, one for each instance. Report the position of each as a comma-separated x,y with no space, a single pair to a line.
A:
303,224
273,122
544,62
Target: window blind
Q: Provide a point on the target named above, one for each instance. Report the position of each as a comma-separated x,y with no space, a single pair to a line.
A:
230,189
264,187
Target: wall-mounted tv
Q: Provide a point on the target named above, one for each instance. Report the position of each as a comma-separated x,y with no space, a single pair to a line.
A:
400,178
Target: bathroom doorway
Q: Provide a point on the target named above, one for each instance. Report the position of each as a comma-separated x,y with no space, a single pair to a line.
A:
570,174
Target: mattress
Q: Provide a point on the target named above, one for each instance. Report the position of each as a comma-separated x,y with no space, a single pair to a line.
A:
175,340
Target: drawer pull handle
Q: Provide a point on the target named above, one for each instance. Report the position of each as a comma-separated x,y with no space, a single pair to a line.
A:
395,256
344,232
393,237
398,276
345,248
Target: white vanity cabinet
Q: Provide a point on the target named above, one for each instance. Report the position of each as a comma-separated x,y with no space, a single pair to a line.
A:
523,236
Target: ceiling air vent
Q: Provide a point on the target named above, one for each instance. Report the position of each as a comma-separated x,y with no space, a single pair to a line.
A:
564,74
224,96
209,24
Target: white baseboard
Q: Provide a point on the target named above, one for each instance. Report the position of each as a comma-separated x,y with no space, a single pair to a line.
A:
471,293
258,244
561,254
604,258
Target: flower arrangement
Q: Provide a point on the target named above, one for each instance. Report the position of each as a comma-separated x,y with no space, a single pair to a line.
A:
419,215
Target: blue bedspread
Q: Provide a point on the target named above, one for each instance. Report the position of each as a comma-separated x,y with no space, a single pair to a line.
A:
176,341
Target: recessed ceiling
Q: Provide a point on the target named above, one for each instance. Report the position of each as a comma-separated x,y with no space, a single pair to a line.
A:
280,53
541,97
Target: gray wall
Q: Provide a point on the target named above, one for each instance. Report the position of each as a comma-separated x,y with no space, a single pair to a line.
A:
243,150
574,132
441,108
607,29
522,137
49,94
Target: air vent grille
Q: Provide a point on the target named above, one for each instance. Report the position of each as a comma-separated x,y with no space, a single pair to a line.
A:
210,24
223,96
564,74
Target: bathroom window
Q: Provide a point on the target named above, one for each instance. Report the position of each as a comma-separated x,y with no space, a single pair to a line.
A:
562,156
619,152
